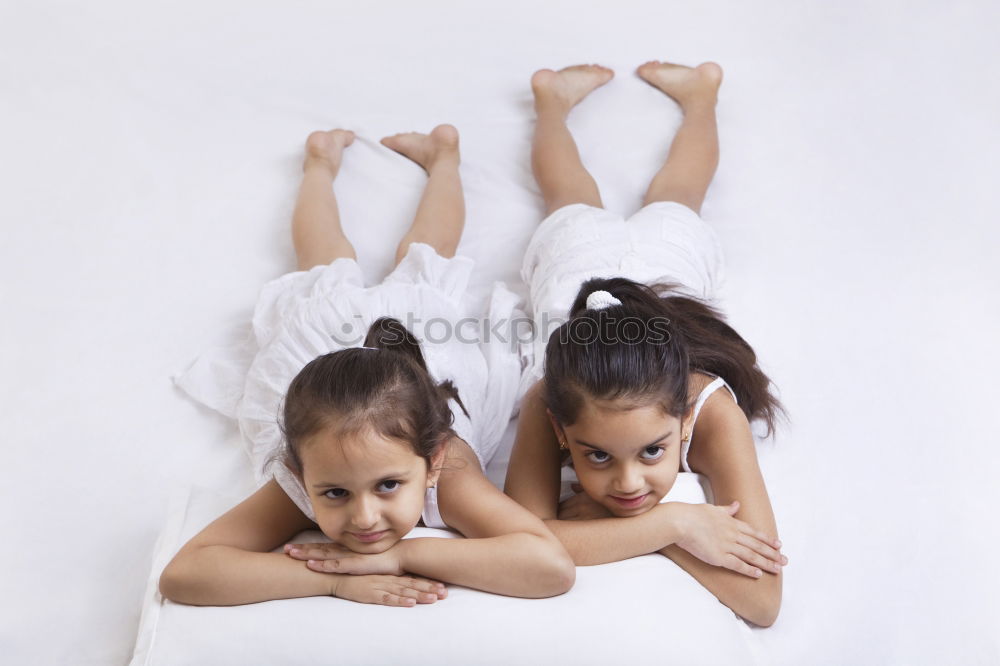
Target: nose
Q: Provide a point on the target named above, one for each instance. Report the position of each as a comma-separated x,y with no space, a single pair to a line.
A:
365,513
629,480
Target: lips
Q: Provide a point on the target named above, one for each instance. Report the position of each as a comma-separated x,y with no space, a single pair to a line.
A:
369,537
630,502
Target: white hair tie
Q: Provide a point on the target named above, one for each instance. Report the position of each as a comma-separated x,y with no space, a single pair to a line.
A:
372,348
600,299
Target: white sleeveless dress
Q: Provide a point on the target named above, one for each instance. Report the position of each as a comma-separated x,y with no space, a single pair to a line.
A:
663,242
305,314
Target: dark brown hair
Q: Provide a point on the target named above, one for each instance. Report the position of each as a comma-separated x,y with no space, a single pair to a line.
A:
387,389
644,351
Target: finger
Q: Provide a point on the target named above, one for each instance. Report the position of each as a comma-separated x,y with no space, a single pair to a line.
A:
739,566
390,599
357,566
756,544
314,551
327,566
774,542
755,559
413,593
733,508
423,585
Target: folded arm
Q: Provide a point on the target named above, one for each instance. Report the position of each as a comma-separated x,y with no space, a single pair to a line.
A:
507,550
230,563
725,453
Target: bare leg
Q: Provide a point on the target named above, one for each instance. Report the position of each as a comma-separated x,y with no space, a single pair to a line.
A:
316,231
694,153
440,216
554,158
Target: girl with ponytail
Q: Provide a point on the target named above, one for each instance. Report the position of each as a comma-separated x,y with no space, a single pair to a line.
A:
644,384
362,427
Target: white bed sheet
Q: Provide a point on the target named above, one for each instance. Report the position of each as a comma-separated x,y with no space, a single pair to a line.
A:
644,603
150,162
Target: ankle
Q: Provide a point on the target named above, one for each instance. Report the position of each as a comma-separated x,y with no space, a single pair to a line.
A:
443,161
551,112
551,105
704,104
319,165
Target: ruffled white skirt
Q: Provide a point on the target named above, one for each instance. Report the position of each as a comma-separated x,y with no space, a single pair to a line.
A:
306,314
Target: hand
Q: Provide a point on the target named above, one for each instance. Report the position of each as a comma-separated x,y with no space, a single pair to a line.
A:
581,506
389,590
333,558
713,535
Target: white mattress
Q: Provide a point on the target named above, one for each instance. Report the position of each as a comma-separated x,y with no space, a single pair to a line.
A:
647,599
150,161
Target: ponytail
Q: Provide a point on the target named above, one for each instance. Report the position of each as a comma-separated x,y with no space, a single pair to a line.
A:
389,334
644,347
384,386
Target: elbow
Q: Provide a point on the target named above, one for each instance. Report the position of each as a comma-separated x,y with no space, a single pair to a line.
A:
556,572
175,584
765,611
563,575
557,578
764,616
171,584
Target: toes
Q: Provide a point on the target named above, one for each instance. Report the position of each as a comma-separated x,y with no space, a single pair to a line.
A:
341,138
395,139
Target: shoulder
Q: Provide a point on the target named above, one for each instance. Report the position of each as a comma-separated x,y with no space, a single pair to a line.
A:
721,435
468,500
458,455
460,471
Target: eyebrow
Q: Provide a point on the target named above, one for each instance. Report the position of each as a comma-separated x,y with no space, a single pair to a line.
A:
644,446
388,477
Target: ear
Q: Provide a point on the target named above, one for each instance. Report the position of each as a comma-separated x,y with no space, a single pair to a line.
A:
556,426
686,420
437,461
296,473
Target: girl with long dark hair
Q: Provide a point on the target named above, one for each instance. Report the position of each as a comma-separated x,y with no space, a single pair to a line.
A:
644,384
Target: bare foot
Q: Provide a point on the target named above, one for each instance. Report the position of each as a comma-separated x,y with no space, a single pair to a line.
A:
686,85
326,148
569,85
427,149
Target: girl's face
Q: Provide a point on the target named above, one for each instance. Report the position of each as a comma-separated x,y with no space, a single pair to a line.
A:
367,491
625,459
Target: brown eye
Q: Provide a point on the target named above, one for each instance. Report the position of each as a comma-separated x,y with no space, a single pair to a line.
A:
388,486
598,457
652,453
335,493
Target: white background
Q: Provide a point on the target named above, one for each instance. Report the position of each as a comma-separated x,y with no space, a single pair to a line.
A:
150,157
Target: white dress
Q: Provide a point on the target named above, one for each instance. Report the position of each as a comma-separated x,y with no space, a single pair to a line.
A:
664,242
306,314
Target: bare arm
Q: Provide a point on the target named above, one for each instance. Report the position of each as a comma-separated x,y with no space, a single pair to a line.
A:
724,452
533,482
507,550
229,562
